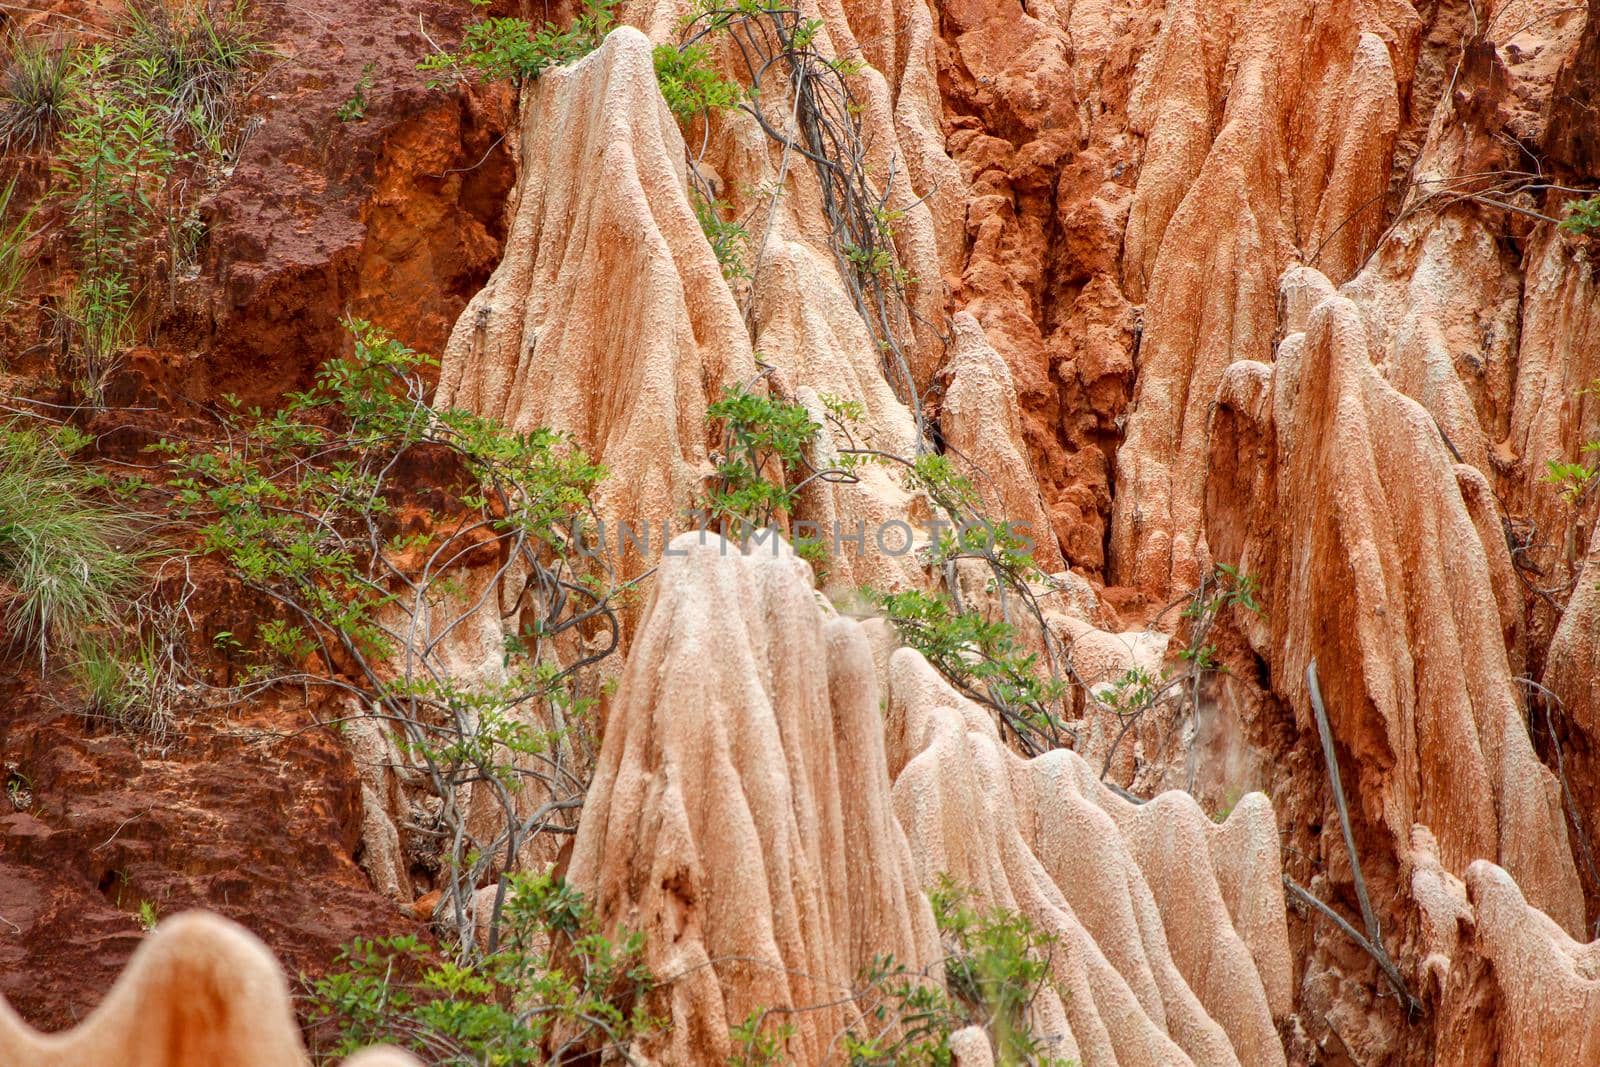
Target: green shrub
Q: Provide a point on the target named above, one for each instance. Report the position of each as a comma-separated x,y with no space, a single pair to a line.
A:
728,239
495,49
103,679
761,467
355,108
690,83
1572,480
1225,587
67,562
758,1044
764,440
131,679
995,963
166,70
554,986
115,158
982,658
1583,216
98,312
34,90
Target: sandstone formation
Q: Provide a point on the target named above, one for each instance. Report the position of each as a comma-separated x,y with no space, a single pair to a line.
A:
1269,284
743,817
200,991
740,811
608,317
605,176
1544,987
981,426
1172,941
1308,112
1339,491
1268,137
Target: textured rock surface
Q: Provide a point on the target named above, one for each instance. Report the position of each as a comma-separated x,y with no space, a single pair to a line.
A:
1136,181
200,991
740,811
1339,492
1264,283
110,825
608,317
1523,990
981,425
396,218
1171,927
742,818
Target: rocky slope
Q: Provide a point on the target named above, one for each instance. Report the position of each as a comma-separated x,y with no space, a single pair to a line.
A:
1271,285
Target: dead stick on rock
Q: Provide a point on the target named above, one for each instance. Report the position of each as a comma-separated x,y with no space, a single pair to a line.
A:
1375,951
1373,942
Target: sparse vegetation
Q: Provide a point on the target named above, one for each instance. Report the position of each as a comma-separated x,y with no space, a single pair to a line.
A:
763,440
982,658
497,49
1138,691
355,108
728,239
186,59
763,463
118,151
1225,587
802,100
758,1040
1573,481
690,82
97,318
555,986
14,235
996,963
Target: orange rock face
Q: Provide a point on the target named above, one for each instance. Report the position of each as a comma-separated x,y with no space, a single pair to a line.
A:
602,223
740,812
1226,283
1340,491
1268,284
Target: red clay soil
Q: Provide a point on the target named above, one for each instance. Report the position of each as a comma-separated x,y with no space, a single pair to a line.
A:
396,218
231,816
251,812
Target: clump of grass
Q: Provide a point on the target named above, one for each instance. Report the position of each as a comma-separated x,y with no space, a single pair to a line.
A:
189,57
34,91
66,560
14,259
104,679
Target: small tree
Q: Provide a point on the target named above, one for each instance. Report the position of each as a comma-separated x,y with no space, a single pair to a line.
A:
384,531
